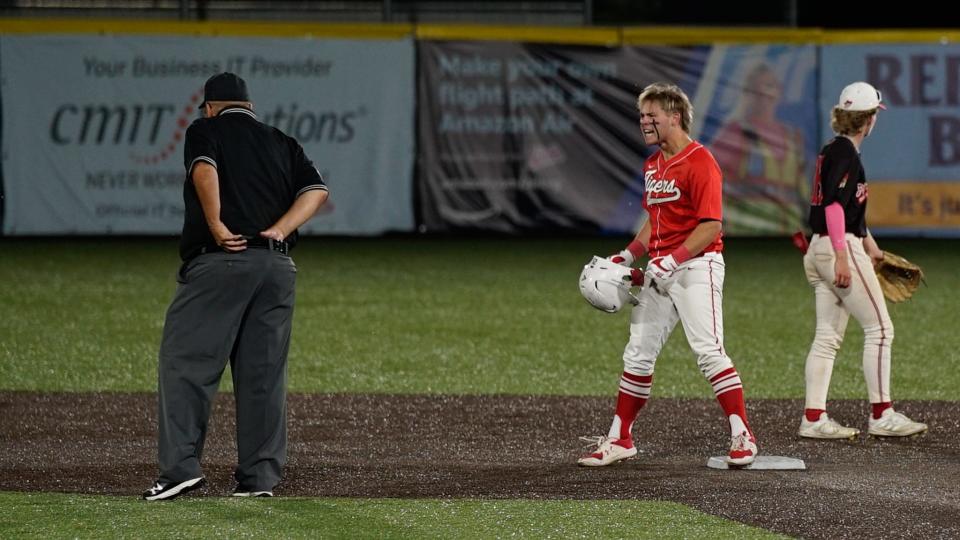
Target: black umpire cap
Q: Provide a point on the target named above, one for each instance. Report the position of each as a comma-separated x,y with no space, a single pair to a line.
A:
224,87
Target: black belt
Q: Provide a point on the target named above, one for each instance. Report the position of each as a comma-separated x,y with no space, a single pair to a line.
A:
259,242
268,243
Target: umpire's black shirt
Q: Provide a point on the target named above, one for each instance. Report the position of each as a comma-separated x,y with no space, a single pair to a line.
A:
261,170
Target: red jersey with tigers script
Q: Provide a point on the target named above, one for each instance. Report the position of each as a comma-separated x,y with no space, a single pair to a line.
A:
679,193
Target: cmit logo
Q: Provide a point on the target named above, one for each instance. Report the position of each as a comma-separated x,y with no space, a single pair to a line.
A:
113,124
133,125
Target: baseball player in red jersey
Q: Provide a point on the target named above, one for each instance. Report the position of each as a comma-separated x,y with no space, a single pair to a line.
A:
683,197
839,267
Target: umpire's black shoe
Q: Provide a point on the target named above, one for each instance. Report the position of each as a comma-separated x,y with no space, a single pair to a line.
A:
164,491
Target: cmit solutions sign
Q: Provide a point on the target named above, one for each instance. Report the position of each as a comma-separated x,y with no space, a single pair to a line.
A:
99,149
98,124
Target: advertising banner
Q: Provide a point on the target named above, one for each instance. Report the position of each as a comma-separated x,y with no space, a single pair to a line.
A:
523,137
93,126
912,157
520,137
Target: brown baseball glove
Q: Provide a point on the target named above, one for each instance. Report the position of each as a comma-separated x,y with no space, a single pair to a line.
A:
899,278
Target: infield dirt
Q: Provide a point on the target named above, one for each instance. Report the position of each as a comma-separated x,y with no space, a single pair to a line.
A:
518,447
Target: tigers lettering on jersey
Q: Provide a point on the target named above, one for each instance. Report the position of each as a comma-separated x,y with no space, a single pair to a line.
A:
660,190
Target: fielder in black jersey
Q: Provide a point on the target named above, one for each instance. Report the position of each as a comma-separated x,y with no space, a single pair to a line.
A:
840,178
839,267
248,188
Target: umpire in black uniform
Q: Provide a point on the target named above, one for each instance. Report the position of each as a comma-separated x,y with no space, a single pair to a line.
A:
248,188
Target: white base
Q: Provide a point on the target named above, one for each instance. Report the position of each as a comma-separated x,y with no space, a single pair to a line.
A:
761,462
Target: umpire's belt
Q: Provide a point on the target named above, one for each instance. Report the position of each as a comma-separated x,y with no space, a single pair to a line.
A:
258,242
269,243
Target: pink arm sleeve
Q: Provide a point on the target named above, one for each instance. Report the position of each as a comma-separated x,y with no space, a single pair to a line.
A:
836,227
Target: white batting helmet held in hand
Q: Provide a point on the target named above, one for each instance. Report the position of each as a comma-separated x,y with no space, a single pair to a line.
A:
606,285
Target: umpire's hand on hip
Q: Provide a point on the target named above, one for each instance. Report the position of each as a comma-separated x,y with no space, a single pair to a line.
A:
273,233
226,239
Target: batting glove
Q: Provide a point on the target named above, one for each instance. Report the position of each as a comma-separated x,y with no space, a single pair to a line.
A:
636,277
661,269
624,258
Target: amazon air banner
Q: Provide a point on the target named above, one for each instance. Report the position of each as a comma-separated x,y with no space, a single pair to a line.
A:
912,157
516,137
93,126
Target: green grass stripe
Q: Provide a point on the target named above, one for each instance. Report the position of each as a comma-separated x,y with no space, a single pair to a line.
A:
49,515
453,316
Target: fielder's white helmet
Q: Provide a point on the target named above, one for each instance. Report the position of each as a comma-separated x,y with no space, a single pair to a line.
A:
606,285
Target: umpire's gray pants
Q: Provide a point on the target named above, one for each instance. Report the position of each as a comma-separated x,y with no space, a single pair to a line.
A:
227,306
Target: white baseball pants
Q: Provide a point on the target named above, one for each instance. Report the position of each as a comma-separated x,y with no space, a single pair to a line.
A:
693,296
864,300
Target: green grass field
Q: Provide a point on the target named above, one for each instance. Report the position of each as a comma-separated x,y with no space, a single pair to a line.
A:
414,315
78,516
478,315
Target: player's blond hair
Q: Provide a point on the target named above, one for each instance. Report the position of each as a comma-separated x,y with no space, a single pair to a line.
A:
671,99
849,122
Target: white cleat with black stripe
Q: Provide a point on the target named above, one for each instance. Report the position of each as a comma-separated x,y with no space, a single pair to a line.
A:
165,491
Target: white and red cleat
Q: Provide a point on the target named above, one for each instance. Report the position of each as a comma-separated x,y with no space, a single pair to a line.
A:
607,450
743,449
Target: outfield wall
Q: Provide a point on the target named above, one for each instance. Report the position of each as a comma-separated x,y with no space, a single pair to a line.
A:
467,128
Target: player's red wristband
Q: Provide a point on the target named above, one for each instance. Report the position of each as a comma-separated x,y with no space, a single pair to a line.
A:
637,249
681,254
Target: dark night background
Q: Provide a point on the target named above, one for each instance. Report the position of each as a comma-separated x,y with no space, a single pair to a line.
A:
751,13
787,13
